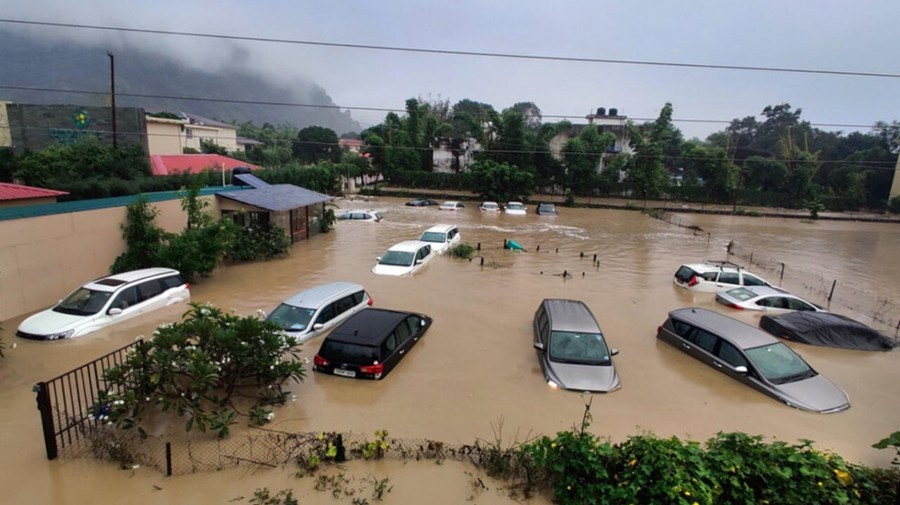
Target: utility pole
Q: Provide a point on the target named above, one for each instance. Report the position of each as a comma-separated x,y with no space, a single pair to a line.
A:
112,87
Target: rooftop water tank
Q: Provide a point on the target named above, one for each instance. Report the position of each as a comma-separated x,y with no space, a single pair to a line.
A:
601,111
613,112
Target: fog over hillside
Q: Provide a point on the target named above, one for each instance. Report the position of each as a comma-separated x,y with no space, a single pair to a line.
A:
56,64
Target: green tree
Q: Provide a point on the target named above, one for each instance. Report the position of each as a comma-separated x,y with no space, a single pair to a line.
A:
501,182
712,165
143,237
210,147
582,156
316,143
646,173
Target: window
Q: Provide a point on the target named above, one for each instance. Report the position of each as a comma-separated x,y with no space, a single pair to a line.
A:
543,321
704,340
796,304
326,315
344,304
126,298
752,280
358,297
683,329
150,289
731,355
402,332
391,343
729,278
172,281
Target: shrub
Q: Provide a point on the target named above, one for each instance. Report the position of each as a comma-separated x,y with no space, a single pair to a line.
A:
894,205
257,243
197,368
463,251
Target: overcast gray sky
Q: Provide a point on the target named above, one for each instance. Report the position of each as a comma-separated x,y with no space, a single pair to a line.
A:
803,34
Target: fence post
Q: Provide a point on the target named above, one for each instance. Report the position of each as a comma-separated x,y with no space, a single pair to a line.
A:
46,409
168,459
781,278
833,284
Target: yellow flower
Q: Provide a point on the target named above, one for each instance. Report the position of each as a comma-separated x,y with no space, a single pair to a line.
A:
632,462
569,488
843,477
820,484
687,493
553,445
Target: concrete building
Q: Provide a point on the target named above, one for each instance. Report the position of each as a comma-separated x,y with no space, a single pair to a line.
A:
611,122
36,127
15,195
895,186
452,155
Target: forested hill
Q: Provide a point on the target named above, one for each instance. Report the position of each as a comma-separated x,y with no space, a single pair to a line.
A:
36,63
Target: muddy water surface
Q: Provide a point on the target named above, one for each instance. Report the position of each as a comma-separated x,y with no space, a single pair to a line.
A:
475,369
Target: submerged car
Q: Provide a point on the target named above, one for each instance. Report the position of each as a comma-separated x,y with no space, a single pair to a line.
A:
571,348
421,202
360,215
825,328
546,209
311,312
442,237
369,344
107,301
714,276
515,208
764,298
489,207
403,258
451,206
753,357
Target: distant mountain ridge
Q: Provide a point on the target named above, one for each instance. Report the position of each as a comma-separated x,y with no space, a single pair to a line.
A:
36,63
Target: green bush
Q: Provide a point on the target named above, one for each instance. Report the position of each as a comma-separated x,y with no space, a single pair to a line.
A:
463,251
257,243
198,368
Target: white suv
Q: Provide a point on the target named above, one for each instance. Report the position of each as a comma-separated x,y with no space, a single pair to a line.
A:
715,276
309,313
442,237
368,215
106,301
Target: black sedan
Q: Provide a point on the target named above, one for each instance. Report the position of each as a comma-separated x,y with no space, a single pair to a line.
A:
369,344
421,202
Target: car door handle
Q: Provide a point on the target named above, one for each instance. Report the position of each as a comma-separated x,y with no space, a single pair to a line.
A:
685,346
402,351
718,365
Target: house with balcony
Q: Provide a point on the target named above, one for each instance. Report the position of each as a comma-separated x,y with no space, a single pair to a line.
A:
605,122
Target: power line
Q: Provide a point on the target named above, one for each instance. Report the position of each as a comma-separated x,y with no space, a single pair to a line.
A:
360,108
483,54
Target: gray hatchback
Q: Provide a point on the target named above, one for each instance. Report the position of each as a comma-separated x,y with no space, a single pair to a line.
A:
571,348
752,357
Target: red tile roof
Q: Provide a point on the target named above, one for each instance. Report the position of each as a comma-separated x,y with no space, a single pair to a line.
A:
10,191
193,163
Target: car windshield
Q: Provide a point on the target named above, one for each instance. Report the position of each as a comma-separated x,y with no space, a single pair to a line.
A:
575,347
433,236
397,258
83,302
353,354
548,207
742,294
290,318
779,364
515,206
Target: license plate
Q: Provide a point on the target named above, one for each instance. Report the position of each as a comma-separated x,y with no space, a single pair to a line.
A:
344,373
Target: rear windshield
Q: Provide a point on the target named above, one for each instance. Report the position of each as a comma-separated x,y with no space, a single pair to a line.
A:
83,302
582,348
741,294
684,274
353,354
290,318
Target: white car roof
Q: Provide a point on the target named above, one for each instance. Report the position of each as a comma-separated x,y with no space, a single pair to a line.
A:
408,245
356,210
450,202
441,228
765,290
712,266
313,297
114,282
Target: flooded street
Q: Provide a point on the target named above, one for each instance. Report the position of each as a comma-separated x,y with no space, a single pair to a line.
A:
476,368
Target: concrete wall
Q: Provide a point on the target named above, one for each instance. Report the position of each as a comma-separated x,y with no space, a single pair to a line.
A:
895,186
42,259
36,127
164,136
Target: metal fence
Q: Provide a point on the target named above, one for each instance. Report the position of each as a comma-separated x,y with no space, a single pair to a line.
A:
65,402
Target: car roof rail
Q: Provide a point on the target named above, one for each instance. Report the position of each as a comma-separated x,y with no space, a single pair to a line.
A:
723,263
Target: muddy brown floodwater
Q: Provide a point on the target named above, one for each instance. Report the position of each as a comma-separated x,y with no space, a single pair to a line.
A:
475,369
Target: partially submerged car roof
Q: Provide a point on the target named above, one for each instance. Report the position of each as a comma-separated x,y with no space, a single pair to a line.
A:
570,315
314,296
368,327
737,332
112,282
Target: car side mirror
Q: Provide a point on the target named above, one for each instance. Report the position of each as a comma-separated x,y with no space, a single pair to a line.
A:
318,326
741,369
613,352
539,346
418,262
378,258
115,311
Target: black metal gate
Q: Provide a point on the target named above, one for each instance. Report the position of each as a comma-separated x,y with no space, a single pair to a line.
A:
65,402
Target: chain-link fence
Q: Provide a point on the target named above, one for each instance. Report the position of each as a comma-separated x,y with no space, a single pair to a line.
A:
193,452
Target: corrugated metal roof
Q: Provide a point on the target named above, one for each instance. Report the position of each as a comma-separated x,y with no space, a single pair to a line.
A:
280,197
9,191
252,180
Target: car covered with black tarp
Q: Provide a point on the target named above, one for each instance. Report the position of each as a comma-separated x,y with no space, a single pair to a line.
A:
825,328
